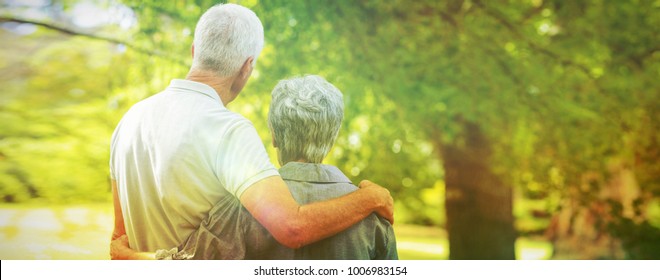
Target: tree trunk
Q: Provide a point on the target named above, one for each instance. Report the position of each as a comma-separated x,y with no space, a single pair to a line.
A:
478,205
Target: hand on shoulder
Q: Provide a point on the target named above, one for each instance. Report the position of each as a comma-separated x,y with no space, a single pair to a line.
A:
383,197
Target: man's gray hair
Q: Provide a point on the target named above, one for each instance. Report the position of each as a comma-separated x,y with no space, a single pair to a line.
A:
225,37
305,116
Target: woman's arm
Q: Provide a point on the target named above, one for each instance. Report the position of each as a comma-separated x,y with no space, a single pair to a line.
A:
119,229
119,250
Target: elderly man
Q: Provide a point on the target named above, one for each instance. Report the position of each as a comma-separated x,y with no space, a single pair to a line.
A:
305,116
176,154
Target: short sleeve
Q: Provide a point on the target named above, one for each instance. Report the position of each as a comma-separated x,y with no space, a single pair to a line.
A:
386,241
242,159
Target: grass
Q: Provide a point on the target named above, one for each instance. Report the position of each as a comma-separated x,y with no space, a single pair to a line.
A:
421,243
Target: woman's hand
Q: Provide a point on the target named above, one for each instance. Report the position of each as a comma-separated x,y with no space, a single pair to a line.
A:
119,249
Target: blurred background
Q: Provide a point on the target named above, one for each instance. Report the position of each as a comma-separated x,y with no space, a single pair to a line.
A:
524,129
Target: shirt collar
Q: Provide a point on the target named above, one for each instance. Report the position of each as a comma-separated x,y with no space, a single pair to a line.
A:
189,85
313,173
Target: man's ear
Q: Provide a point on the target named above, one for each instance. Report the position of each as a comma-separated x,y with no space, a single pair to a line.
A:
246,69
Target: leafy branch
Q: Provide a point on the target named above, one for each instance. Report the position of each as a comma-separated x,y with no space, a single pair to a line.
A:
75,32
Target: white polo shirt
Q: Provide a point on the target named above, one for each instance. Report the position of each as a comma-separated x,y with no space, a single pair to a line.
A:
174,155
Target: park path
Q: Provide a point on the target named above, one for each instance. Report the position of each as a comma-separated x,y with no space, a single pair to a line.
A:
58,232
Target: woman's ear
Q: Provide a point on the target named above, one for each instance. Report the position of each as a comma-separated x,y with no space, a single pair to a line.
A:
272,136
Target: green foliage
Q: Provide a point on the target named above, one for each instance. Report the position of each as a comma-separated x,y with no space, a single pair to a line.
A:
641,240
53,140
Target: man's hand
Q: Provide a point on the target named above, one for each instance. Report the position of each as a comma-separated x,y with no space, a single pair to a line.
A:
383,195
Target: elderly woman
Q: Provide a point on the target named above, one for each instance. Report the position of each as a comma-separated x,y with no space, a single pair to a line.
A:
304,118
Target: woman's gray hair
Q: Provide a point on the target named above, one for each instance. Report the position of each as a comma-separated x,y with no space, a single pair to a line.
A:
225,37
305,116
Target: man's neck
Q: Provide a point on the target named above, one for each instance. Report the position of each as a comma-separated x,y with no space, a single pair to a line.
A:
299,160
221,85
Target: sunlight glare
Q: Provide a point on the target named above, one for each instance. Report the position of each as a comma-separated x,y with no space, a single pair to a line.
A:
41,219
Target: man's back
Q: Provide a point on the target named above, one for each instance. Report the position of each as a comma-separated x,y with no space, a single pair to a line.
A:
174,155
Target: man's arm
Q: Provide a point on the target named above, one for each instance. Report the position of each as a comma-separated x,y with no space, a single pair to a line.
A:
294,226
